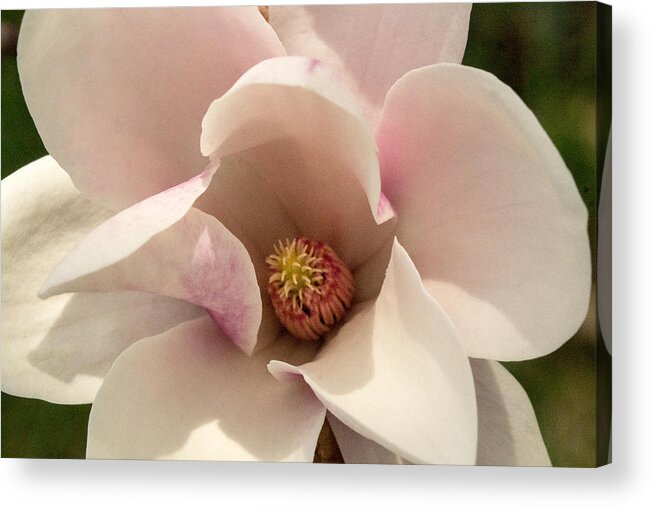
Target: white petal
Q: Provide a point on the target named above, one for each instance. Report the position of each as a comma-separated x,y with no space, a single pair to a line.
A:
373,45
297,133
118,94
189,394
396,374
488,211
162,245
508,430
60,349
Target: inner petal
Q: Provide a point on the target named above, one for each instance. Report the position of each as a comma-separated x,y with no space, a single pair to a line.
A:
315,186
287,188
276,191
296,158
300,134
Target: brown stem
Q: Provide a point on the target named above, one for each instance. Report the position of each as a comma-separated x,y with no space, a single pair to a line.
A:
264,10
327,449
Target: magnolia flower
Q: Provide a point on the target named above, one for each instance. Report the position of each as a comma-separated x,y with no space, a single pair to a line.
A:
425,228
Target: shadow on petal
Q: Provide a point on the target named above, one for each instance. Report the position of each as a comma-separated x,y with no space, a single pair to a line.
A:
190,394
93,329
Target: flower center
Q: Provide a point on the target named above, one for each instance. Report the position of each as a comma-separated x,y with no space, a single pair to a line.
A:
310,287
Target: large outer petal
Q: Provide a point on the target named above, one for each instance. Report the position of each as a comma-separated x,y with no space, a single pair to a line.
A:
60,349
508,430
396,374
118,94
374,45
164,246
295,155
488,211
189,394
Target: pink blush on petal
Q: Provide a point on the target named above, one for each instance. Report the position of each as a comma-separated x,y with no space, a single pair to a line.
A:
384,209
314,63
216,273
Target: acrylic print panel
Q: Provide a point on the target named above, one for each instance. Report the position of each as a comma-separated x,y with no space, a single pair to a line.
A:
350,234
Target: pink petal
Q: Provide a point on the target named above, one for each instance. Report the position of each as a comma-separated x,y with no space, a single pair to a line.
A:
508,431
488,211
396,374
189,394
164,246
60,349
372,46
118,94
295,156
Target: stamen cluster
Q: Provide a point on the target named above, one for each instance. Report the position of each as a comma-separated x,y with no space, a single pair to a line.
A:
310,287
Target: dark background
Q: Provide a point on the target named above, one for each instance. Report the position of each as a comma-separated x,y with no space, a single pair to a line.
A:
547,52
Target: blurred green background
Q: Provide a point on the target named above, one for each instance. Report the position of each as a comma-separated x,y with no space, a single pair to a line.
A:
547,53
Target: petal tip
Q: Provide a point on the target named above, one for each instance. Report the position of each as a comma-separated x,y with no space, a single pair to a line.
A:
48,289
384,211
282,371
